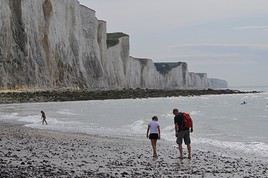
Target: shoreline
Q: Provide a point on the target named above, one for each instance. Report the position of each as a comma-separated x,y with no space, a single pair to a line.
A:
8,97
27,152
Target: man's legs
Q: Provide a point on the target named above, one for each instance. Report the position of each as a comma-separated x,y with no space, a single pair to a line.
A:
180,149
179,142
187,141
189,151
44,122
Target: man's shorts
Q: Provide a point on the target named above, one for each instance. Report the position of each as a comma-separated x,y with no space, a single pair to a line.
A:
185,135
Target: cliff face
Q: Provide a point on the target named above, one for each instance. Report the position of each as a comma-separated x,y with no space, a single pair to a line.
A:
174,74
143,73
118,57
49,44
217,83
198,81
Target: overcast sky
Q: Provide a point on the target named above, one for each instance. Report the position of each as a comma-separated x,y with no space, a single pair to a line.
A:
227,39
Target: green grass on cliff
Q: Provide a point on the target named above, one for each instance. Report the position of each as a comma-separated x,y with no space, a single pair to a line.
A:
113,38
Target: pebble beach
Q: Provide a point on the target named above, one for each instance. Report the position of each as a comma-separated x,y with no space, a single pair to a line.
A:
27,152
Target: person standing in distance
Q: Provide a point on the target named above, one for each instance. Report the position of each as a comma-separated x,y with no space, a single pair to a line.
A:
182,132
43,117
154,129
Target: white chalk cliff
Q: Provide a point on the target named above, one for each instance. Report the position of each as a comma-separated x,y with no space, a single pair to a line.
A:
49,44
217,83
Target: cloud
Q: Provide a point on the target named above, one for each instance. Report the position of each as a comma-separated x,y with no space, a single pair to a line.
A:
220,53
251,50
221,45
263,27
128,14
210,59
203,57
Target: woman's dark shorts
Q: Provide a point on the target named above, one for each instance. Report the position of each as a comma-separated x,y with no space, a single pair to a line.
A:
153,136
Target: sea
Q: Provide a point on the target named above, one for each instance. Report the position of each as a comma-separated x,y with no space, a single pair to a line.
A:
222,123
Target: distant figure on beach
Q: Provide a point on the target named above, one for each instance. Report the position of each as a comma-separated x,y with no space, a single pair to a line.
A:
183,126
154,129
244,102
43,117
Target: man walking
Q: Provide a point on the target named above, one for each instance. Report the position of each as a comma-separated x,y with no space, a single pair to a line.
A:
43,117
183,126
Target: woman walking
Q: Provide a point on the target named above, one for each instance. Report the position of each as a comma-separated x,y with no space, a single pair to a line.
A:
154,130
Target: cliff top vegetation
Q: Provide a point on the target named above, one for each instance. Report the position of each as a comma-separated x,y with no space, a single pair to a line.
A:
113,38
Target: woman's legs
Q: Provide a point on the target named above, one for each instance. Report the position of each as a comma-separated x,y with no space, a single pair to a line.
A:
153,142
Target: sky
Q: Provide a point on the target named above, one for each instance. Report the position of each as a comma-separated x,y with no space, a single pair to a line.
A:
227,39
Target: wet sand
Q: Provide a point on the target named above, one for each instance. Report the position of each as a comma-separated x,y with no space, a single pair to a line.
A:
26,152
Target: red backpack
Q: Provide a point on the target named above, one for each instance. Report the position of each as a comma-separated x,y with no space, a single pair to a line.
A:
188,122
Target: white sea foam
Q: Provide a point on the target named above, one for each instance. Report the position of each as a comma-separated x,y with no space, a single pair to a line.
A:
9,116
53,124
30,119
253,148
66,112
167,115
35,121
195,113
136,127
168,133
257,148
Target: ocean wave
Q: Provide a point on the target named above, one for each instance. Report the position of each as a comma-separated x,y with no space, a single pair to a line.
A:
168,133
258,148
166,116
66,112
30,119
53,124
9,116
170,115
136,127
195,113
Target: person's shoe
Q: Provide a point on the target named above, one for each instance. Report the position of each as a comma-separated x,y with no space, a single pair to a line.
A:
189,157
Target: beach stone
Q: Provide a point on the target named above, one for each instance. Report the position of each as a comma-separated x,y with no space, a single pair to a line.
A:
124,174
131,165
